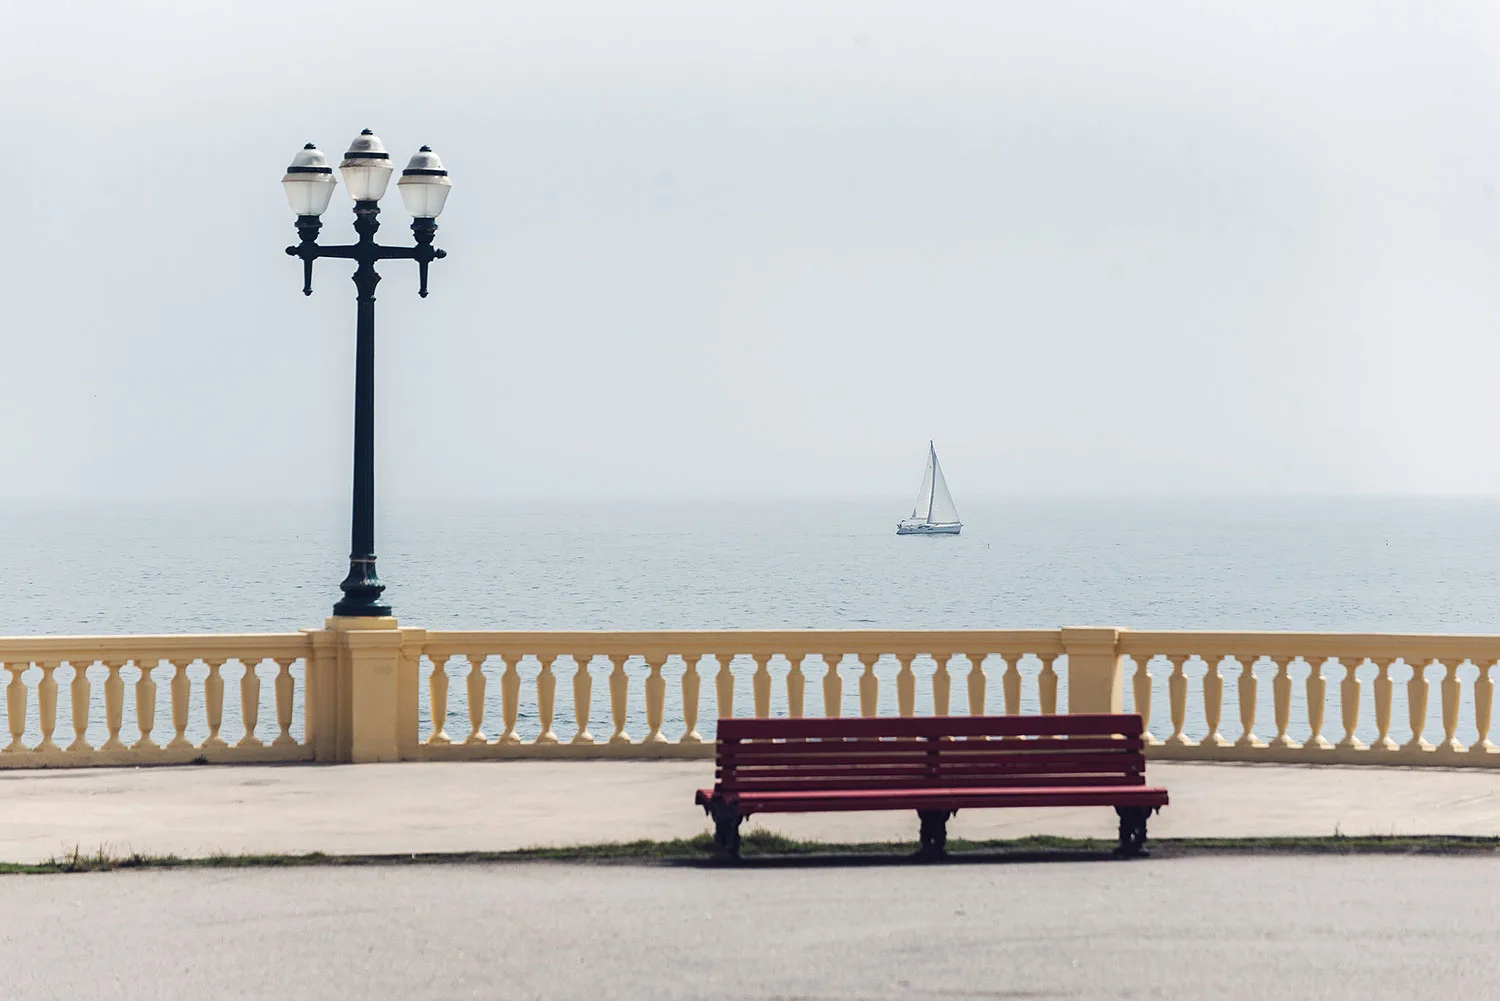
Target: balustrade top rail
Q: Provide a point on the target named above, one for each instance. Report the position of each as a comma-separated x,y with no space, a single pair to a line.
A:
744,642
21,649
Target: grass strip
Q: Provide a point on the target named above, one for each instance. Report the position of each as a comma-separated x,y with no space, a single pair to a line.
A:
767,846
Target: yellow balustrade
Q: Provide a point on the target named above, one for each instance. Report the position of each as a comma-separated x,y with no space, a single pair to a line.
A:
362,696
99,666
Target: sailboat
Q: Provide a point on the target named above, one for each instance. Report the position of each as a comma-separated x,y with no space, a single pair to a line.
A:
934,513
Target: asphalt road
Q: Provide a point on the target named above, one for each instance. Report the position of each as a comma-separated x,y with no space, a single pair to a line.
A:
1192,928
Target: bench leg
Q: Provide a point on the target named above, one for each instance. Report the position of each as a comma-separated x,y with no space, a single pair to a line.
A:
727,819
934,835
1132,831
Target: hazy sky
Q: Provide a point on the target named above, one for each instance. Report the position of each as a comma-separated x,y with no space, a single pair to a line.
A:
730,248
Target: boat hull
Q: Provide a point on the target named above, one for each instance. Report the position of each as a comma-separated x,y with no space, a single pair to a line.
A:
924,528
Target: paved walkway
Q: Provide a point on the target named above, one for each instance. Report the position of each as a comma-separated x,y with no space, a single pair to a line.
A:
1231,928
493,806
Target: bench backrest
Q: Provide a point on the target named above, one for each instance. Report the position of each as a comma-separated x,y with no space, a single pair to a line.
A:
772,755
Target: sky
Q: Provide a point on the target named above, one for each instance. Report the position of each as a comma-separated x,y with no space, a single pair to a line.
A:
741,250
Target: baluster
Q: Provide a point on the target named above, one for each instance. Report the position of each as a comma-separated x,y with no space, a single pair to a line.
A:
1141,690
80,694
437,697
1248,690
474,688
618,692
724,686
510,696
691,682
833,687
250,703
869,686
796,685
1384,688
46,704
760,686
145,705
1213,703
1046,687
546,699
583,699
1317,704
1416,707
942,686
656,700
1484,705
1349,695
114,706
1010,685
906,686
180,689
1281,697
1452,692
1177,702
284,688
977,683
15,708
213,700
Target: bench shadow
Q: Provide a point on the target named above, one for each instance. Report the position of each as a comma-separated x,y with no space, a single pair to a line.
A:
882,860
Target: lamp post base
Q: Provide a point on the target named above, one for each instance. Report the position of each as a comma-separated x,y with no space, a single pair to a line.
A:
362,590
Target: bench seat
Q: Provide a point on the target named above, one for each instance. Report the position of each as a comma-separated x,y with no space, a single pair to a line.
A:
935,766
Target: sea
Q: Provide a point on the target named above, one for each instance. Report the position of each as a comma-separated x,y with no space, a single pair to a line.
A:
1358,563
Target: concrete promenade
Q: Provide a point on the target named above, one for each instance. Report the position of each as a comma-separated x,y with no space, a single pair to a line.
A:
1364,928
496,806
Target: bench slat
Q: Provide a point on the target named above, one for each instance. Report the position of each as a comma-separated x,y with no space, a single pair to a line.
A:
947,799
743,790
774,750
1083,760
1124,724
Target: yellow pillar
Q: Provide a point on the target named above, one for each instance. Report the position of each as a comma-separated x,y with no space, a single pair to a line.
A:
1096,682
354,690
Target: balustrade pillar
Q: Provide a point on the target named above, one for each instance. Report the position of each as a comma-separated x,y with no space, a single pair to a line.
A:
1416,707
978,684
46,704
1281,696
691,682
1142,691
869,687
1010,684
906,687
510,695
833,686
79,696
942,685
1317,705
760,686
583,700
180,690
724,686
1046,687
1349,696
213,703
1177,700
1213,702
656,699
1452,692
284,688
250,703
1384,690
1248,689
619,692
475,687
1484,705
437,697
546,699
114,706
15,709
796,685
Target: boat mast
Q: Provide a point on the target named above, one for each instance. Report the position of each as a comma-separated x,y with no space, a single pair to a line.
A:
932,487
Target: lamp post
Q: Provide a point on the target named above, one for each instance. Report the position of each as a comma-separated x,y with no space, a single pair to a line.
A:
424,186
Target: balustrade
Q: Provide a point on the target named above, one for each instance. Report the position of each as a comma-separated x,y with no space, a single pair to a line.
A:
99,721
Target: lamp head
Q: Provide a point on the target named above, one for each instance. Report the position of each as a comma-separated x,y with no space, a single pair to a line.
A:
424,184
309,182
366,168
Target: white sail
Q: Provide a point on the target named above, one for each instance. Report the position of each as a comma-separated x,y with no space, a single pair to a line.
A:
941,511
923,507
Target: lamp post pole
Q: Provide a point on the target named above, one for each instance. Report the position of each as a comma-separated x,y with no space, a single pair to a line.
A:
424,187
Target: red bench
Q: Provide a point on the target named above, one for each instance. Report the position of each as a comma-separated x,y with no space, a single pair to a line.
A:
935,766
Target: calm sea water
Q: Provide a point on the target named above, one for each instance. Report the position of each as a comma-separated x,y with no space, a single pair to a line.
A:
1388,564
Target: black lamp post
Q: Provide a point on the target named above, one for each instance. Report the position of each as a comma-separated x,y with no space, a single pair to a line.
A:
424,187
